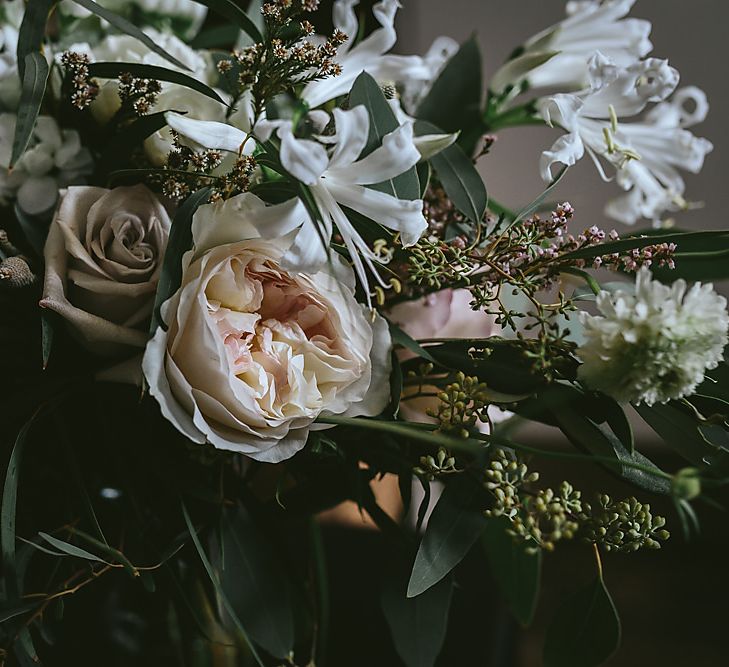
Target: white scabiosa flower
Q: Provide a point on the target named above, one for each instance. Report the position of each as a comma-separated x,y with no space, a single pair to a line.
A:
655,344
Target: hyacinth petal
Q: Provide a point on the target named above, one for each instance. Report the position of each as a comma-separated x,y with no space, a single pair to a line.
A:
208,133
395,156
352,131
401,215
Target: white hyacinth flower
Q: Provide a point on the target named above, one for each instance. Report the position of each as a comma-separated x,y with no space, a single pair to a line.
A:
336,174
645,154
371,54
591,25
54,160
655,344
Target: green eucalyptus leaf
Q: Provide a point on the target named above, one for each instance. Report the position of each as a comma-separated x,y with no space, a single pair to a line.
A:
49,319
70,549
417,625
517,572
9,611
585,631
255,584
399,337
112,70
679,431
32,31
536,203
458,175
128,28
8,512
179,242
705,240
34,229
453,528
454,100
222,595
31,97
232,12
367,92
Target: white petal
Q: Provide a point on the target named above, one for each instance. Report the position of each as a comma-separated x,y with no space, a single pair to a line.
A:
567,150
352,128
402,215
395,156
304,159
429,145
209,134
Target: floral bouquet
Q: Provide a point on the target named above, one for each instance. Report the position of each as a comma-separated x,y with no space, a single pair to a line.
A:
251,277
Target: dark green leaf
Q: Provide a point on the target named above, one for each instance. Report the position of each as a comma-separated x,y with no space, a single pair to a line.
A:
179,242
8,512
453,528
230,11
31,97
424,173
218,588
454,101
418,625
534,205
32,31
112,70
70,549
619,422
599,440
25,651
399,337
585,631
255,584
48,321
517,572
34,229
365,91
456,172
130,29
679,431
11,611
219,36
705,240
395,386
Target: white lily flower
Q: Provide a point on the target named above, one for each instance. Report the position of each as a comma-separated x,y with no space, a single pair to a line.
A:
371,54
591,25
336,175
645,154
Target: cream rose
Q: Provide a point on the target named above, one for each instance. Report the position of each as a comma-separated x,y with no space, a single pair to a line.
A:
253,354
103,258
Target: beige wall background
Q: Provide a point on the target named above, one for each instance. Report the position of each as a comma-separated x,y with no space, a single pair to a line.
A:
692,35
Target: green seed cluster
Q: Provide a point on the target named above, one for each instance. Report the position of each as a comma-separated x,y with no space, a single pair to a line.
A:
463,403
623,526
433,467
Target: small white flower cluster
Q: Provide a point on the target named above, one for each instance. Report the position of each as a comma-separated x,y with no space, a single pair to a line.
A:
654,345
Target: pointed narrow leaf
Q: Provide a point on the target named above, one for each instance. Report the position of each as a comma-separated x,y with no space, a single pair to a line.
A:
31,97
11,611
517,572
112,70
230,11
32,30
70,549
456,172
417,625
179,242
399,337
512,72
453,529
534,205
256,584
8,512
218,588
365,91
130,29
585,631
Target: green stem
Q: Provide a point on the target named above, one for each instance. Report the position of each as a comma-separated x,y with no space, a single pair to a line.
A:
475,443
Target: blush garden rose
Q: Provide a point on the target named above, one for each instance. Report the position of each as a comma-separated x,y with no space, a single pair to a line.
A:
254,354
103,258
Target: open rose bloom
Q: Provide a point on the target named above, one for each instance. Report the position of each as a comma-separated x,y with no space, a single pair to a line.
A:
254,354
103,259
